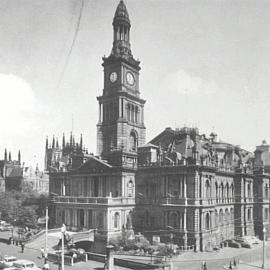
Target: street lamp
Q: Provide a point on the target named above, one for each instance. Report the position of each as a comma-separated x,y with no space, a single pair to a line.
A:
46,236
264,231
171,237
63,230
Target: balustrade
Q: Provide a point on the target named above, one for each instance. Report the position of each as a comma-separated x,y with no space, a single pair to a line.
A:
94,200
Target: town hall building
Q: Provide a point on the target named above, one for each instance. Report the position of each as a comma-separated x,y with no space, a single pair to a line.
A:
197,189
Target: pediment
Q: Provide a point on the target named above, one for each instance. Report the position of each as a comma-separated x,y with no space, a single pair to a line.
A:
94,165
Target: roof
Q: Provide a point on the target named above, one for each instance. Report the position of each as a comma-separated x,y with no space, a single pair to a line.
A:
94,164
15,172
149,145
121,14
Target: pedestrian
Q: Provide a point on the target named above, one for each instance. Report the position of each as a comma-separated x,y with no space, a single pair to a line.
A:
204,266
46,265
22,246
74,256
234,262
42,252
230,266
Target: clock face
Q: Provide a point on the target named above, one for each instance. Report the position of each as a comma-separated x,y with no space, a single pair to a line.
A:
113,77
130,78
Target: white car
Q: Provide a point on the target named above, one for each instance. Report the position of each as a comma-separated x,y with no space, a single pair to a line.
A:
26,264
7,261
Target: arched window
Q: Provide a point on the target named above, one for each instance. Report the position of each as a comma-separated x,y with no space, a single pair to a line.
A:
249,214
222,191
128,112
130,188
173,221
227,216
116,220
216,218
220,217
248,190
216,184
266,190
133,141
232,214
232,190
207,221
227,191
266,212
207,189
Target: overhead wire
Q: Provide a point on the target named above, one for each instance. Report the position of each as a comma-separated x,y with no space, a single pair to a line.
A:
72,45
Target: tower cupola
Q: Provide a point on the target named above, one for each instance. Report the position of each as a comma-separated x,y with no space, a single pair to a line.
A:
121,28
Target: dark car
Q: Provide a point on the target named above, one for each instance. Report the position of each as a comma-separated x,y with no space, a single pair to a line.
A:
245,245
233,244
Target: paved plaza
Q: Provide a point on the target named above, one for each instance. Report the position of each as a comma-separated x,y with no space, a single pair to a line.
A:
249,258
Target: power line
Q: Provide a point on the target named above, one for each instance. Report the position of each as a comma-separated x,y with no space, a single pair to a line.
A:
72,45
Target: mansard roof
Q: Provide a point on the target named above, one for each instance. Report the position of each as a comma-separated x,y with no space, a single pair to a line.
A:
187,143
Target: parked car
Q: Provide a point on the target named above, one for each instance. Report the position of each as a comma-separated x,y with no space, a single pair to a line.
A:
243,242
246,245
234,244
26,265
7,261
6,227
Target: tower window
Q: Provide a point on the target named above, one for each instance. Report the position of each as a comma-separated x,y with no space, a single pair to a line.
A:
116,220
133,141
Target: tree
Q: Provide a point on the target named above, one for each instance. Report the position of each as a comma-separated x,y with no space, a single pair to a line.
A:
22,208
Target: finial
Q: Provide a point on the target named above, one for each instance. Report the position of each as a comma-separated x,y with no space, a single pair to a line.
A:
53,142
81,142
63,141
47,142
5,155
19,156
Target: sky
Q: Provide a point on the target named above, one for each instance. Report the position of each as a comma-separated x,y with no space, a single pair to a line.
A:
204,64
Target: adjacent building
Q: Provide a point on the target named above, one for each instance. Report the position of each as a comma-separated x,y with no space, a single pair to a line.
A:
198,189
11,173
36,180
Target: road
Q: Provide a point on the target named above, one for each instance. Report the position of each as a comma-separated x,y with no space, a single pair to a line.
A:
187,261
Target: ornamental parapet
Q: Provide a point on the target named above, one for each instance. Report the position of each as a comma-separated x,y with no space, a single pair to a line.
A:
94,200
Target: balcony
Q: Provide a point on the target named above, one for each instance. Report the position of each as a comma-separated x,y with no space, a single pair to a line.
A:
95,200
162,201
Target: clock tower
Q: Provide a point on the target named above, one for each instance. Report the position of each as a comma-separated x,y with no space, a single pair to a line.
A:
120,129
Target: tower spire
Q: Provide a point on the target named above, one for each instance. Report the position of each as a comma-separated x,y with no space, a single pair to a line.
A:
9,156
53,142
63,141
19,157
121,29
70,140
5,155
47,143
81,143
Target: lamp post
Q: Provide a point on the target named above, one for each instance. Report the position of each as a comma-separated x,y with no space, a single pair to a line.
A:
46,236
171,237
263,264
63,230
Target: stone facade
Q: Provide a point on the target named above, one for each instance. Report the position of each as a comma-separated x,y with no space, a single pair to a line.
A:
182,186
204,191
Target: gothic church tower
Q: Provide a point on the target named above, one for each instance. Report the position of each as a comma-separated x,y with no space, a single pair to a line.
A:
120,129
